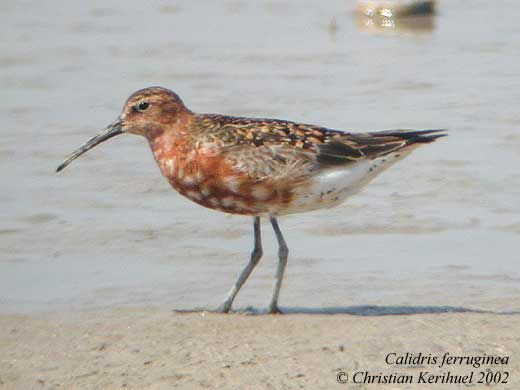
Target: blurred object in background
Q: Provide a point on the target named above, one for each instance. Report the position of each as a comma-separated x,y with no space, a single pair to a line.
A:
415,16
396,8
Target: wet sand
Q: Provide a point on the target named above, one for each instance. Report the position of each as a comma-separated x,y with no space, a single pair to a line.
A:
140,348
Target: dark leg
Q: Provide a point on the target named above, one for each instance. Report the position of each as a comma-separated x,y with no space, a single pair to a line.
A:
255,258
283,252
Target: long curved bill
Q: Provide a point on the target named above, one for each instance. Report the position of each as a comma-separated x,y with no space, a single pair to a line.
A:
110,131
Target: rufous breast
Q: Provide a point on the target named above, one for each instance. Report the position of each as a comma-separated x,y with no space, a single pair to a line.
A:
206,177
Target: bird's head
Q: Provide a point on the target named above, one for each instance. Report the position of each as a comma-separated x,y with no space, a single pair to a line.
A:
146,112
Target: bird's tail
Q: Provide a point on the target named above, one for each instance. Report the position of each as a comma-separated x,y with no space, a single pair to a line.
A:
412,136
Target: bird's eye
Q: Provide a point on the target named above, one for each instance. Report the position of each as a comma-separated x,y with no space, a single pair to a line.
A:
143,106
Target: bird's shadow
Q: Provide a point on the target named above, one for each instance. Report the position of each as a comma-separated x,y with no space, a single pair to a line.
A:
364,310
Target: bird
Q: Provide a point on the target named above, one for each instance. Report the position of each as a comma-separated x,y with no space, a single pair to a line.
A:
256,167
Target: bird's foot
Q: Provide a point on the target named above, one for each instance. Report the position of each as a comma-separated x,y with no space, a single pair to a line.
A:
274,309
224,308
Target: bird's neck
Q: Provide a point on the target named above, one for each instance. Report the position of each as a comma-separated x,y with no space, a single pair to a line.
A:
167,145
172,140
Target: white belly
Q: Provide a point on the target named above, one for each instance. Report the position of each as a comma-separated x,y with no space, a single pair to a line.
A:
333,186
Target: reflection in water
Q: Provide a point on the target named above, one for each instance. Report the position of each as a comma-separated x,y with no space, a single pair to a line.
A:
417,25
416,16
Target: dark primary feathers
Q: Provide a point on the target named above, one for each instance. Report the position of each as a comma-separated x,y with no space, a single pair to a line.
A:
356,146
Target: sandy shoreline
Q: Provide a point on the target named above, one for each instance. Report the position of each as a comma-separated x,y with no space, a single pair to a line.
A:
140,348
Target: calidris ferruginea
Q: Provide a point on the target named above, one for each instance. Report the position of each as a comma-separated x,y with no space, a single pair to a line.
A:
256,167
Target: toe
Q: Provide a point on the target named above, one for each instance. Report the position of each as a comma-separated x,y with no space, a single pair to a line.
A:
224,308
274,310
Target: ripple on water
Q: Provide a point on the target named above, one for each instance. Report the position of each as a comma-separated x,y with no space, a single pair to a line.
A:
39,218
8,231
513,228
397,227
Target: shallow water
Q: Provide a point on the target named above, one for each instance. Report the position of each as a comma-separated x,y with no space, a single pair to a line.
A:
441,228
